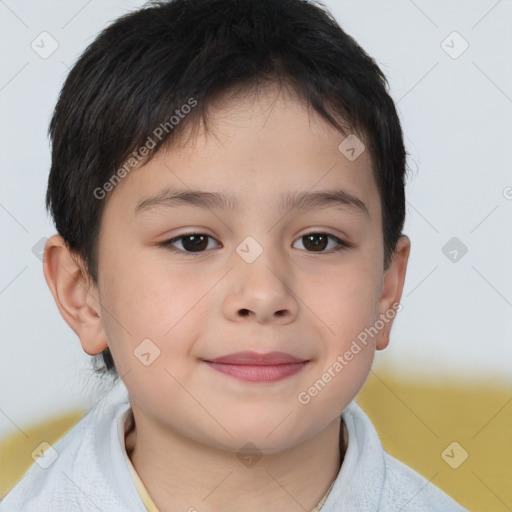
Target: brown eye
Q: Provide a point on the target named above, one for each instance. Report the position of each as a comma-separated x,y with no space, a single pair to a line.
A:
315,242
198,242
191,243
194,243
319,242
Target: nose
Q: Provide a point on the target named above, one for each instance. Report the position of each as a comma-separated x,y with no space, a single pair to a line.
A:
261,291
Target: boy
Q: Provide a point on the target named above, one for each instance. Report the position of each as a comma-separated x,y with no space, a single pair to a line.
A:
227,183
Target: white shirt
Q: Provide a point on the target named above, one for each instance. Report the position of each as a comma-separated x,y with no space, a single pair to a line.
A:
92,471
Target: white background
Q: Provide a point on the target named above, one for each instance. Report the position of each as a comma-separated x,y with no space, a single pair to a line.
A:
456,115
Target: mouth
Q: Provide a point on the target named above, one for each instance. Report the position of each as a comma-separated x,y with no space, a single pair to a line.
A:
256,367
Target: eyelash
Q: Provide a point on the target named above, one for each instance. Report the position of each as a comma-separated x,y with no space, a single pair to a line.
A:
168,243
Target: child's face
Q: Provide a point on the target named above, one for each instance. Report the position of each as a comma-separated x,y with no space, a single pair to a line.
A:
198,306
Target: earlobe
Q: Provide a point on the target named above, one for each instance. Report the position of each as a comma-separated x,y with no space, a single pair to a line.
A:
393,284
75,295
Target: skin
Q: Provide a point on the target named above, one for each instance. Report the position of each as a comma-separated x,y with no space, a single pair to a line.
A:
191,421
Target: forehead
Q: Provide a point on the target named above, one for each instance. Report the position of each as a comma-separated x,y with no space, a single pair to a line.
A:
260,149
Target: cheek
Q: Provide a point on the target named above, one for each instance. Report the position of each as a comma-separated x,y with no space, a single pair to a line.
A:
152,302
142,295
348,302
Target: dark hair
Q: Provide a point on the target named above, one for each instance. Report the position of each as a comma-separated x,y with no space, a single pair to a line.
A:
143,69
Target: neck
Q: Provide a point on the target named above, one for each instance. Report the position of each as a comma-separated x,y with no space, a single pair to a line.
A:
181,474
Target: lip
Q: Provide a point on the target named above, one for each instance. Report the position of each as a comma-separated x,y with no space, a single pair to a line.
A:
255,367
257,359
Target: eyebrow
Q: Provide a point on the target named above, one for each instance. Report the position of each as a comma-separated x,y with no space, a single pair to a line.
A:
171,198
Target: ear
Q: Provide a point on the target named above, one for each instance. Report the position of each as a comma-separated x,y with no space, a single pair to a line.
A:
392,287
75,294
